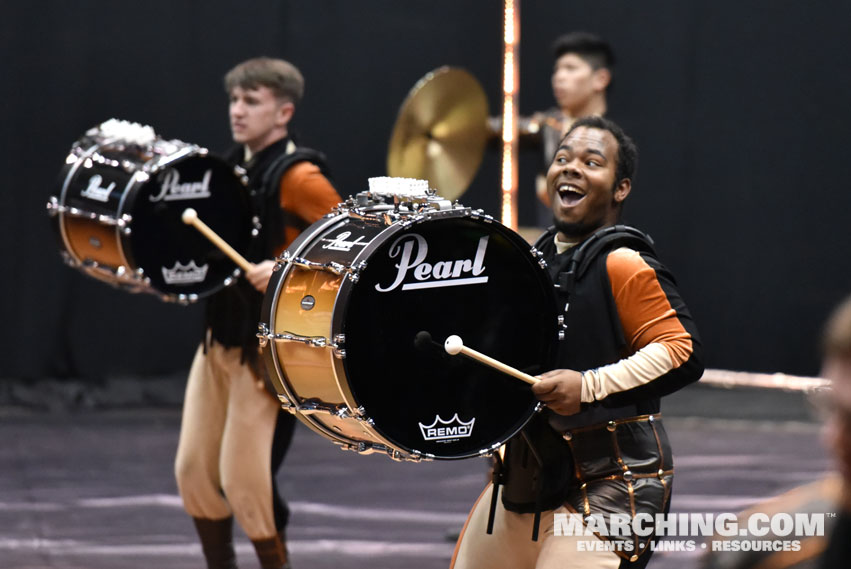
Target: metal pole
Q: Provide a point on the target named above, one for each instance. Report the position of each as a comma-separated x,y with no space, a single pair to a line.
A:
510,90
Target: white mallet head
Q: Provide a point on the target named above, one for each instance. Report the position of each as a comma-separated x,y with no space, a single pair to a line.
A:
189,215
453,345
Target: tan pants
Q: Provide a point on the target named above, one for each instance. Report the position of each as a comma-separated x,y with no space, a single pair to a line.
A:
510,546
225,443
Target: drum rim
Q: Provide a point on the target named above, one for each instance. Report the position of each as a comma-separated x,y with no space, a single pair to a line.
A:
337,321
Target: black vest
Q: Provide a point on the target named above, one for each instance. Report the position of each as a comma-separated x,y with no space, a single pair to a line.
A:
593,337
233,313
538,467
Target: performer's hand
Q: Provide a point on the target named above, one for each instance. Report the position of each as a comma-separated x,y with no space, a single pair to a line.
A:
260,274
560,389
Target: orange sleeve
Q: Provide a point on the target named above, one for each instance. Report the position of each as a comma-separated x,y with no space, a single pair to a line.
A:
306,193
645,312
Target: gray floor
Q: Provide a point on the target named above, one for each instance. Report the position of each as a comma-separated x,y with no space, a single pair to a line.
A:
93,489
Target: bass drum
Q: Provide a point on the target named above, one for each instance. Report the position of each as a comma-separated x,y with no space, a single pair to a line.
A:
357,312
118,212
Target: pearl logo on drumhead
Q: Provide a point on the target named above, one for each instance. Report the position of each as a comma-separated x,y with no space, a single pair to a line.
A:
412,249
94,191
172,189
340,243
446,431
185,274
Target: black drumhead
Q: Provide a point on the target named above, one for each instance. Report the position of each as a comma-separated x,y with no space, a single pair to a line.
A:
448,276
175,256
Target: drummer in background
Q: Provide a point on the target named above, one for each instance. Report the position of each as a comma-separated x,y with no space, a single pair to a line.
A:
829,497
226,458
836,367
599,447
582,73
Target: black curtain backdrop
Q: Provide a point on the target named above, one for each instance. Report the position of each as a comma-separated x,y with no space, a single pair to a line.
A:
740,110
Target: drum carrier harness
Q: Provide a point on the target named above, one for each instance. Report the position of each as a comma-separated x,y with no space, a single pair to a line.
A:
232,314
538,469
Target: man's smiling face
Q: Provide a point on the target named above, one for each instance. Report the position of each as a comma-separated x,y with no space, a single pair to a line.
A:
582,184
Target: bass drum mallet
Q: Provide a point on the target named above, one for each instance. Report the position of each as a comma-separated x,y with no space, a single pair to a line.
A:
455,345
190,217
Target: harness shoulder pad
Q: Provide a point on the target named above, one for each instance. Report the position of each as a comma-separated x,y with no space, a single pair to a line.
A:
285,161
609,239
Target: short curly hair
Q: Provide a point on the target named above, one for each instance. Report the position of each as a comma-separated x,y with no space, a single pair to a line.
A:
627,165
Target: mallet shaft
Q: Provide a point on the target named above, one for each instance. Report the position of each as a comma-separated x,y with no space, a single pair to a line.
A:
190,217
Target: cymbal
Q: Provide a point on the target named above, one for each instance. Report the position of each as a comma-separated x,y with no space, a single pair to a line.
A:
441,132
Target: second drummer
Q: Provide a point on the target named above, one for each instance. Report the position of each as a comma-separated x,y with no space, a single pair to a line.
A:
226,457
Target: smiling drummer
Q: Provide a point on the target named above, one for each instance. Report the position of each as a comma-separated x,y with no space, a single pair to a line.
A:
599,449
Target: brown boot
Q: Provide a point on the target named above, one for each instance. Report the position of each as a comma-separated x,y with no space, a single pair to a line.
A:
217,542
272,551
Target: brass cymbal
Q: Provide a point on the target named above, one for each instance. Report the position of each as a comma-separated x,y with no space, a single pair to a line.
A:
441,132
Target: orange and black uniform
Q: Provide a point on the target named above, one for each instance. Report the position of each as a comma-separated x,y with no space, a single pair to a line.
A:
290,190
631,335
233,433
